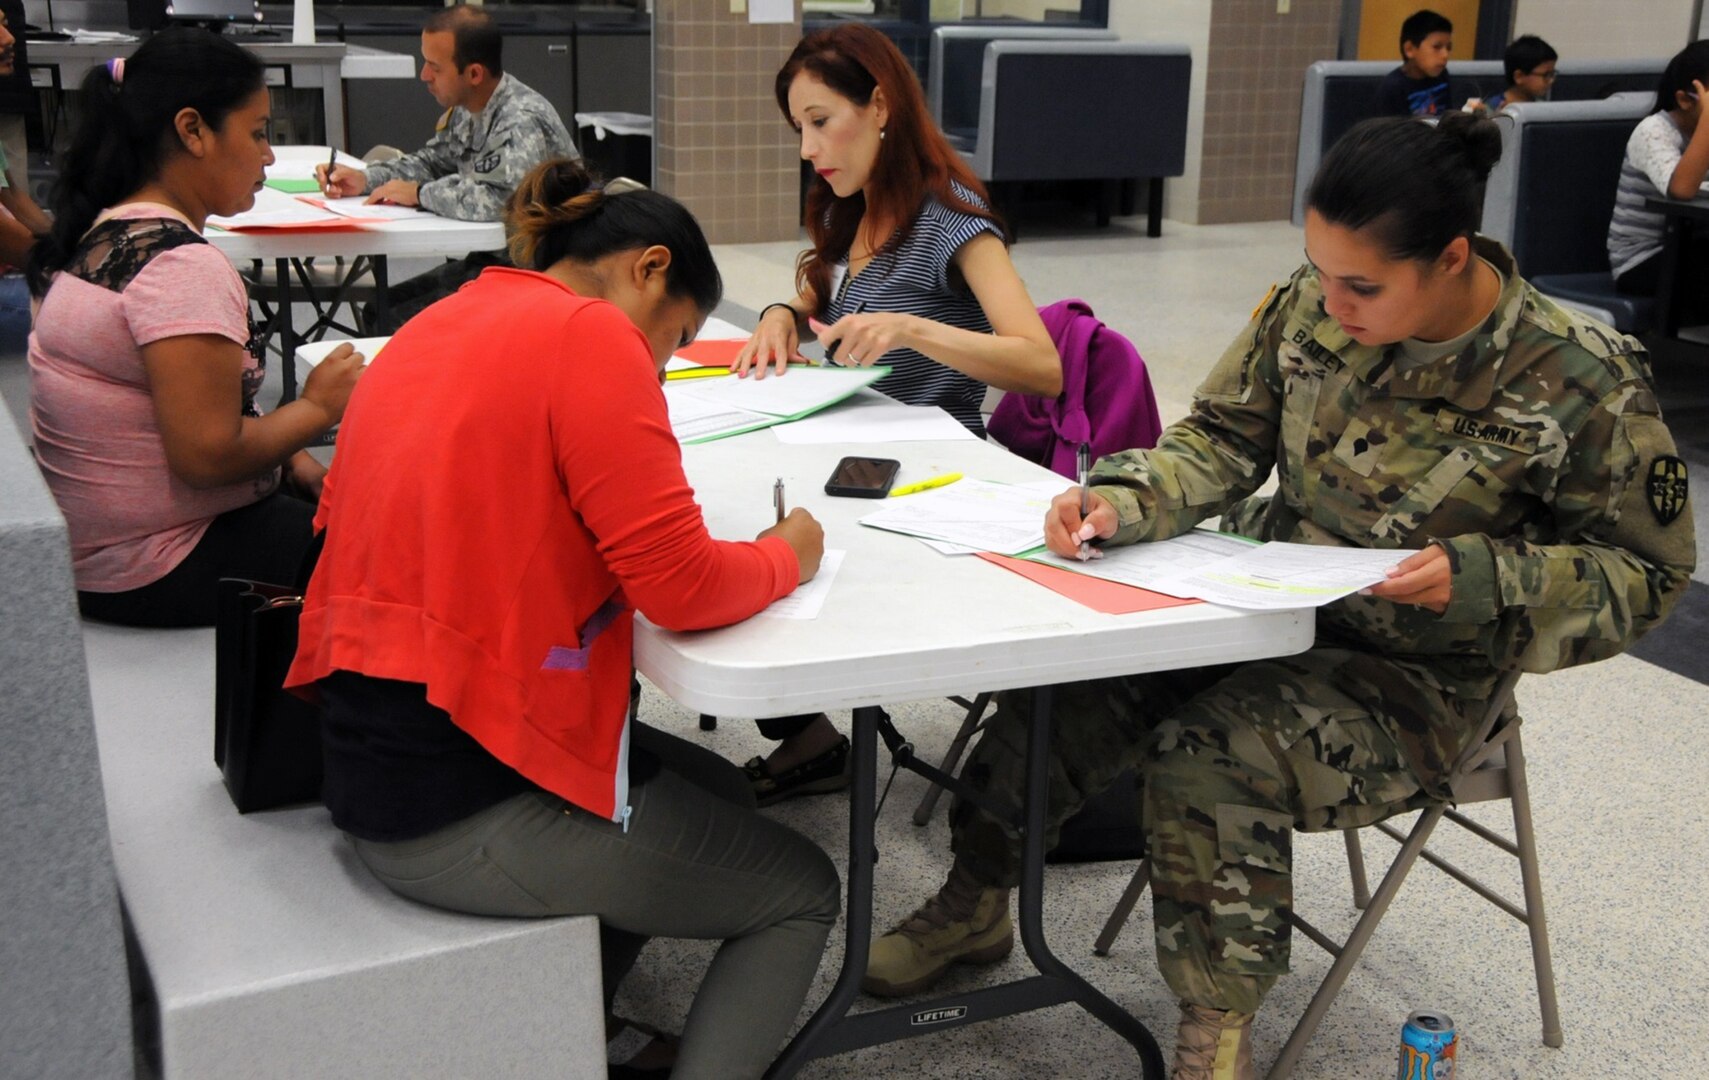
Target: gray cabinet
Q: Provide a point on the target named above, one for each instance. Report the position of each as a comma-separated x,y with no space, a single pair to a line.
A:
394,112
590,71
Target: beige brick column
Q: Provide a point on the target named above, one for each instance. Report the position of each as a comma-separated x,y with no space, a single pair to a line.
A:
722,148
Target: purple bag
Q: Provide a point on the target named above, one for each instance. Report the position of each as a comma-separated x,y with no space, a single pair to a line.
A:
1106,396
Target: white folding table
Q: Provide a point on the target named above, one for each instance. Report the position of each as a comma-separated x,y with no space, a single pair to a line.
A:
904,623
427,237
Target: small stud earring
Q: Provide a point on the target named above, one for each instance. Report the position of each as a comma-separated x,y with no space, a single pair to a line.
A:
880,134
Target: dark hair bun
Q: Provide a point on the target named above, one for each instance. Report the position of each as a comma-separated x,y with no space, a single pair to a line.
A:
556,193
1478,139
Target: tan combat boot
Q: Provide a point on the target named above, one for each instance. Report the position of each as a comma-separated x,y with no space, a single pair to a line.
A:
1213,1045
965,923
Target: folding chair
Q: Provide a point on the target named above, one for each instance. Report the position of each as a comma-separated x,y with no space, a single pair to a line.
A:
1492,768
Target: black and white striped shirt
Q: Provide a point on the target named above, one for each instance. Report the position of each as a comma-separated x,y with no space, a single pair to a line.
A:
915,279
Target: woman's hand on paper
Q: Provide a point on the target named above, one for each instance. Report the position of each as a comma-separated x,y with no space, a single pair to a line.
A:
1065,530
1424,578
774,344
863,339
330,383
802,532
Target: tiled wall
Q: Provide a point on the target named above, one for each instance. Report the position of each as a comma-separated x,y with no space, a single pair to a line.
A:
1254,74
722,147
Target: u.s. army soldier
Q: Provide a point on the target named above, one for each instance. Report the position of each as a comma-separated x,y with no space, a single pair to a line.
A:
494,131
1410,392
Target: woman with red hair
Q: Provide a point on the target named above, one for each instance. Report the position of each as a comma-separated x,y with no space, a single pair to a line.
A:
909,268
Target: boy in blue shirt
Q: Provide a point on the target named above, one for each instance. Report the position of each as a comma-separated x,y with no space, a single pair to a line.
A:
1419,87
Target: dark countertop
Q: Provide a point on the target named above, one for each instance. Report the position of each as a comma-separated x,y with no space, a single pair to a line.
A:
356,20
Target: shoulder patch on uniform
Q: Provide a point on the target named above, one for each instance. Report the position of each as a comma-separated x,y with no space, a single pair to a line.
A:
1666,487
487,162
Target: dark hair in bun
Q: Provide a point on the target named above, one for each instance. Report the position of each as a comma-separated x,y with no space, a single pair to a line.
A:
562,211
1414,184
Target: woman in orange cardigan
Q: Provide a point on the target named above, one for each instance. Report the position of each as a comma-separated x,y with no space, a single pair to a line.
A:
506,494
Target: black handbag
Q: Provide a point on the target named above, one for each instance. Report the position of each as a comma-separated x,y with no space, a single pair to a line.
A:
266,741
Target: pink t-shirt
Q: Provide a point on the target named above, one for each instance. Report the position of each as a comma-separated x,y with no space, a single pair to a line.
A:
141,275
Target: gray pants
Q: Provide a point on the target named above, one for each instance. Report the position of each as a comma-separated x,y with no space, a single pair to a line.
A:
697,862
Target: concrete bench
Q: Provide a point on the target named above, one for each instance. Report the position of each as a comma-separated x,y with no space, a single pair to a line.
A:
271,951
261,947
64,1000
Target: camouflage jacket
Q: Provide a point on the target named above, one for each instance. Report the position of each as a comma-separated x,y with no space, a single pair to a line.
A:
475,160
1537,457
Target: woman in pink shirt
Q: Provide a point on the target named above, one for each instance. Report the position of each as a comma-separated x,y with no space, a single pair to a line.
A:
143,365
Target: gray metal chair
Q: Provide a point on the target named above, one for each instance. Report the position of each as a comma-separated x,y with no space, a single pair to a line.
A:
1492,769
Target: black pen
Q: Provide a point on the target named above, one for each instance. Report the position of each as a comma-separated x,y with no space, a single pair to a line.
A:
1083,465
331,164
777,498
831,349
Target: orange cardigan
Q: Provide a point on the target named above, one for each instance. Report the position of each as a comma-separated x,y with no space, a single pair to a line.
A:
506,492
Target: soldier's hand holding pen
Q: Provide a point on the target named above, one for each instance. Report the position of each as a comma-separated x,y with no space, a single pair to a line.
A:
1065,530
341,181
1424,578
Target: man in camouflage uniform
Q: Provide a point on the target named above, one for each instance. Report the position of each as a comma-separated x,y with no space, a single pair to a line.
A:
1531,451
494,131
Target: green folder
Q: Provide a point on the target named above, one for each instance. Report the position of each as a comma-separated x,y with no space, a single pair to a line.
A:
296,187
857,379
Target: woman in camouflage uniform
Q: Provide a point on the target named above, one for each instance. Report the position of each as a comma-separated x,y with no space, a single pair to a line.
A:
1411,392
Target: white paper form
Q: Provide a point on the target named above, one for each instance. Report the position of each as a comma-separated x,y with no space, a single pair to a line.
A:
310,355
695,418
870,417
1278,575
806,600
1005,518
357,206
802,390
1151,566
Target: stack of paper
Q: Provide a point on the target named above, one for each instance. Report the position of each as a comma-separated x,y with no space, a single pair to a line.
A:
1237,572
706,409
1005,518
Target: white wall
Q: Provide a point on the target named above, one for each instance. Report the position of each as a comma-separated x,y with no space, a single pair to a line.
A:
1176,22
1608,29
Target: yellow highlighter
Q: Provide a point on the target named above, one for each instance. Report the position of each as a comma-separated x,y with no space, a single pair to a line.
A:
926,485
695,373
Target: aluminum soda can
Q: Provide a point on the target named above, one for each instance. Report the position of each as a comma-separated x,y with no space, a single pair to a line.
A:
1429,1047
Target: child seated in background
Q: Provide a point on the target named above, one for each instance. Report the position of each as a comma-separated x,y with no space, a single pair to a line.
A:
1529,64
1419,87
1667,155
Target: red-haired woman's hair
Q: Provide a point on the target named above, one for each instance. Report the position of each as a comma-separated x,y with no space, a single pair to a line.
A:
914,159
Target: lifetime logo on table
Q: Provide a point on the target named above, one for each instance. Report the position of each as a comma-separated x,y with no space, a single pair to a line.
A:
938,1016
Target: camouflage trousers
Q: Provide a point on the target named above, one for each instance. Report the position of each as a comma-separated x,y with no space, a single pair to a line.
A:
1233,759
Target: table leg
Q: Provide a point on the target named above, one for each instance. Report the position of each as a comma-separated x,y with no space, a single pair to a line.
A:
1675,238
287,332
382,302
1032,899
831,1030
857,913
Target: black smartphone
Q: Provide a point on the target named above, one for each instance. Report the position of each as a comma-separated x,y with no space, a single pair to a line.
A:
863,477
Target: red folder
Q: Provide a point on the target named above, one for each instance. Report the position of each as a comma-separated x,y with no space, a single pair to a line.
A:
1109,597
